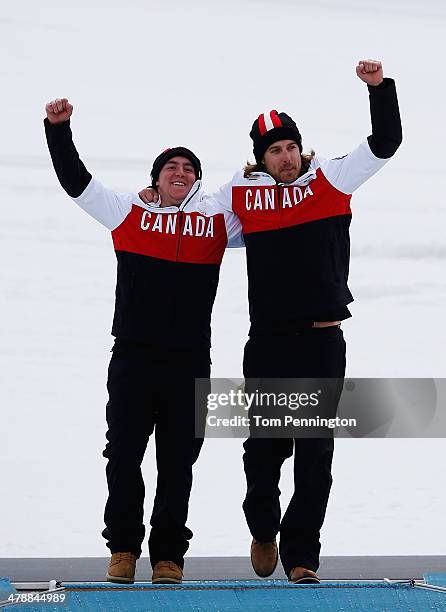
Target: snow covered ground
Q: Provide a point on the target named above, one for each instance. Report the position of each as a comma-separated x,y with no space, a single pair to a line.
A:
153,75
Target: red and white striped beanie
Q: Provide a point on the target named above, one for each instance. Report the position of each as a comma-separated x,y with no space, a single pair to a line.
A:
270,127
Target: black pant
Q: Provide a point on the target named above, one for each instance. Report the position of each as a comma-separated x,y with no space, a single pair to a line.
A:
151,389
314,352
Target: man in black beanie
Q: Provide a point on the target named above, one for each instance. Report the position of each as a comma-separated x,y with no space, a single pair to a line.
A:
167,155
169,257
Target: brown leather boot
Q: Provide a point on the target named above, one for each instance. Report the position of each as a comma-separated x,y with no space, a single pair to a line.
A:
167,572
122,567
264,557
302,575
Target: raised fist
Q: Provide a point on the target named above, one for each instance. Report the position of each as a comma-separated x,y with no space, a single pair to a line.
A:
58,110
370,71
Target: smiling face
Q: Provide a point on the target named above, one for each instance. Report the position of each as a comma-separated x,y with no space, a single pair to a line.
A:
175,180
283,161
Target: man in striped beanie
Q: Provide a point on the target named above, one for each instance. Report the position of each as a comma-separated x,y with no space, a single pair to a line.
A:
295,214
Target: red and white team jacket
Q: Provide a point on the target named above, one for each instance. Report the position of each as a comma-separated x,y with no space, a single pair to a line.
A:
297,235
168,257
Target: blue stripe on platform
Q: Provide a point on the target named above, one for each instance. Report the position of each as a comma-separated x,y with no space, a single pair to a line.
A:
225,584
248,596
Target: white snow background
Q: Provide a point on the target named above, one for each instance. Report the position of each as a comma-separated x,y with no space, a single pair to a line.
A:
145,75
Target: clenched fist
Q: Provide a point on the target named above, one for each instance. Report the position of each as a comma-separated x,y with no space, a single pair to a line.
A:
370,71
148,195
58,110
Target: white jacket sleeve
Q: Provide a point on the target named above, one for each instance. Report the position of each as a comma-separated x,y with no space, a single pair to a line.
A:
351,171
222,199
234,230
106,206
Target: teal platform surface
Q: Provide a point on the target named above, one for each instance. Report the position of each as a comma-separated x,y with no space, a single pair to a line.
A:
5,588
435,578
249,595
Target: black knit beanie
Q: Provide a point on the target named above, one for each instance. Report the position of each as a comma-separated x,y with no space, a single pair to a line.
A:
166,155
271,127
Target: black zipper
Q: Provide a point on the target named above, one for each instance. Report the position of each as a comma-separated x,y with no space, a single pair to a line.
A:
279,203
180,212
